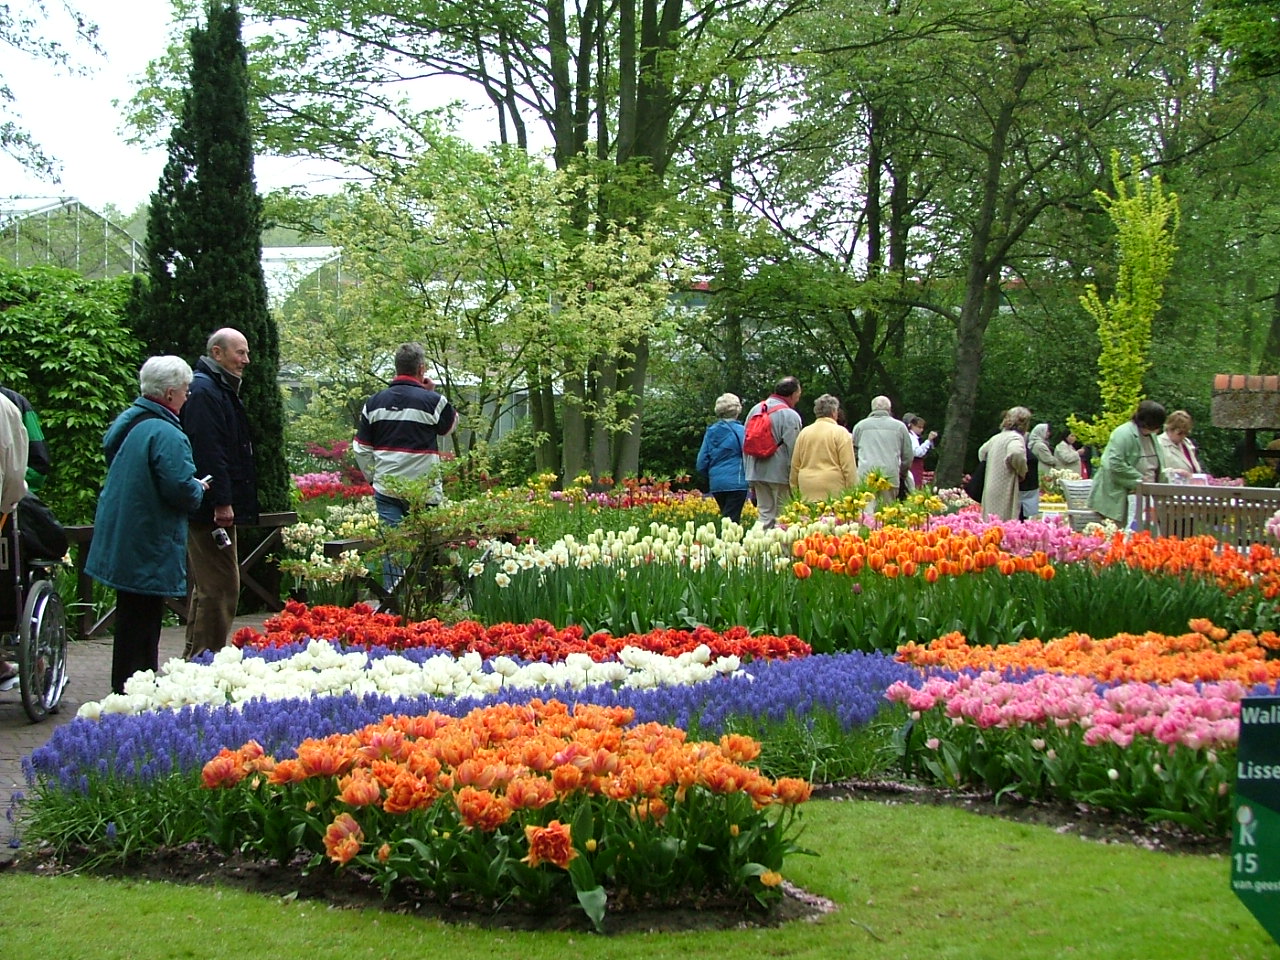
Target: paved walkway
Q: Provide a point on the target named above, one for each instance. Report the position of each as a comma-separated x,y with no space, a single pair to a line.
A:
89,673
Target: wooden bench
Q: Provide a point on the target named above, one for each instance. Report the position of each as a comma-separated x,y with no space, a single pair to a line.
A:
1234,515
81,536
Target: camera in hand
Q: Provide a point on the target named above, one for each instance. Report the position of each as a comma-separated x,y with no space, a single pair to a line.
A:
221,538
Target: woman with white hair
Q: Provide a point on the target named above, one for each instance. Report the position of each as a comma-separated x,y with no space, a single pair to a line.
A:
720,458
1005,455
823,464
140,528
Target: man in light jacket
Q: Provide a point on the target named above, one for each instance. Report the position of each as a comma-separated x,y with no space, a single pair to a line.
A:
882,443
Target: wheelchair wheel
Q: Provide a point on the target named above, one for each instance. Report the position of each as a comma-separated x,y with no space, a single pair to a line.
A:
42,651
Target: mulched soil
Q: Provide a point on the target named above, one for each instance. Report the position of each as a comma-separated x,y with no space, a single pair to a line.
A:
201,864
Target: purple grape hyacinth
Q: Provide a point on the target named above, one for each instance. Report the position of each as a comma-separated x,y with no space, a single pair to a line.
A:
142,748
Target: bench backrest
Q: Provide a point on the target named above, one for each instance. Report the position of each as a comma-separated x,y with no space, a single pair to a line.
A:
1234,515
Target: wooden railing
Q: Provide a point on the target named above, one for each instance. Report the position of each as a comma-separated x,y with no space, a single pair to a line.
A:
1234,515
82,536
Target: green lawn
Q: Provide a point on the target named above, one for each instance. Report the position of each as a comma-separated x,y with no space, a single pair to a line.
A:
910,881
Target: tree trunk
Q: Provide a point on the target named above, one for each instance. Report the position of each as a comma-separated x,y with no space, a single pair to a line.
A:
1270,362
979,306
604,386
981,295
573,448
631,384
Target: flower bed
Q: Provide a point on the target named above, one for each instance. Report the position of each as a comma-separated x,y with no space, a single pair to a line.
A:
849,591
1161,753
320,668
1144,724
369,703
1205,653
322,577
530,801
360,626
129,749
329,485
123,783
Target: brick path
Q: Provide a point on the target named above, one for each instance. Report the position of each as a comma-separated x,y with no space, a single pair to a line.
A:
89,672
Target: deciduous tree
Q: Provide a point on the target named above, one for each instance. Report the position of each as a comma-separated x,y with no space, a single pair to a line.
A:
23,29
1146,218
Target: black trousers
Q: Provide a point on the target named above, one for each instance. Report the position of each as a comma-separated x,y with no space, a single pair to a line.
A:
137,639
731,503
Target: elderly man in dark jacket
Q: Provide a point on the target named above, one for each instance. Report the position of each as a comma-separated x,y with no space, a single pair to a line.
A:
140,529
215,420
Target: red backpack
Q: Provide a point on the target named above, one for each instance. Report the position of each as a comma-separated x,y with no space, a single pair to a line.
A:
759,441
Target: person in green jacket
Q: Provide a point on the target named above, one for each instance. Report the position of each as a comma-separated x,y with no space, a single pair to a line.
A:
1130,456
139,542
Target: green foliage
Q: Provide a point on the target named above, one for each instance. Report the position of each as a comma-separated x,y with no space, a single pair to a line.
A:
512,460
64,345
480,256
1146,219
1250,29
1038,355
204,252
673,429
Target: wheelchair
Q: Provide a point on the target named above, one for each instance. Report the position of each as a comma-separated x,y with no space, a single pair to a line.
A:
37,639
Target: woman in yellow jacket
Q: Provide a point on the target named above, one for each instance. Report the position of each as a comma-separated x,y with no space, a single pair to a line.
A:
823,464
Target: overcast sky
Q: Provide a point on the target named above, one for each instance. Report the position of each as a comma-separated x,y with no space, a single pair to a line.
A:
75,121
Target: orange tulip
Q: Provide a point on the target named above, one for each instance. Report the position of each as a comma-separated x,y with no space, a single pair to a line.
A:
550,844
342,838
359,789
739,747
224,770
481,809
530,793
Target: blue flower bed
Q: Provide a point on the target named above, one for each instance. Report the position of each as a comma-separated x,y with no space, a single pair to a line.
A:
154,745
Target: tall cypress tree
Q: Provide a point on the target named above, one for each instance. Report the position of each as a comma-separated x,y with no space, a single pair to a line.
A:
204,243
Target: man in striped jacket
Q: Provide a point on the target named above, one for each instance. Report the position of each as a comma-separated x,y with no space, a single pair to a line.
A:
399,432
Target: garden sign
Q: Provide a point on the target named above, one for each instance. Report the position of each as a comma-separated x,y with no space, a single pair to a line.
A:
1255,842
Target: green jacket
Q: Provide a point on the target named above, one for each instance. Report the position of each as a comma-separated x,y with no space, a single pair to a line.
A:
1117,475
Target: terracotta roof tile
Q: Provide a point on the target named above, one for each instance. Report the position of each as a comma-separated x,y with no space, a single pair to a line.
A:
1252,383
